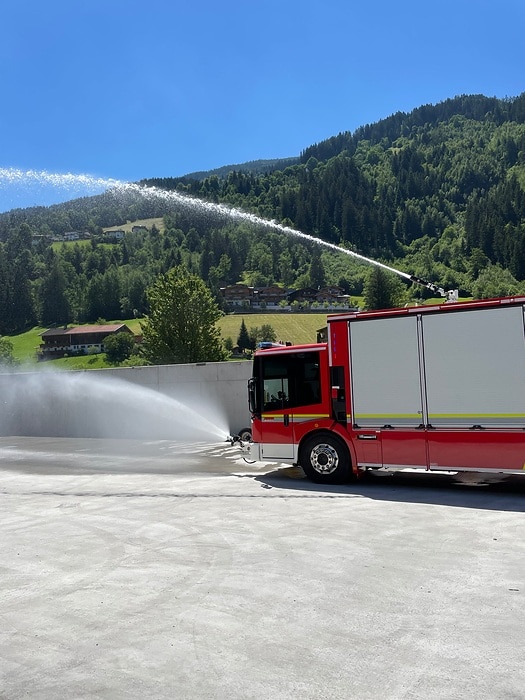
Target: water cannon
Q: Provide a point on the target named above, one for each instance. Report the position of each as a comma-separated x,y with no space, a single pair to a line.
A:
450,295
244,437
242,441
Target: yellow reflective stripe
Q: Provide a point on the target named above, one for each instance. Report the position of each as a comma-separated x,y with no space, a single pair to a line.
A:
280,416
311,415
476,415
439,415
388,415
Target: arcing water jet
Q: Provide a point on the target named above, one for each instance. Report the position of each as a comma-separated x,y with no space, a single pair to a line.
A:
91,184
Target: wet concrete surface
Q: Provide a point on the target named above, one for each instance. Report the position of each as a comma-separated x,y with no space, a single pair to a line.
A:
158,569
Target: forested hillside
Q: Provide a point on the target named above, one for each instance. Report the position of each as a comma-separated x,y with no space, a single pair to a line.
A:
438,193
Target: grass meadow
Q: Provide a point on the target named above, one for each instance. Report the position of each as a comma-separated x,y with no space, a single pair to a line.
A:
296,328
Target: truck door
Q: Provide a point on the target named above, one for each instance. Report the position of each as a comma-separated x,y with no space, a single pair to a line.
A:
289,382
276,419
386,388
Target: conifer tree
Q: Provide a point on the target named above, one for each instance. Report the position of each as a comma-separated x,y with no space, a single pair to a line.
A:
243,341
382,290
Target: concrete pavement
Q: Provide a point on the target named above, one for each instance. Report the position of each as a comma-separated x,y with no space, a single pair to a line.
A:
171,570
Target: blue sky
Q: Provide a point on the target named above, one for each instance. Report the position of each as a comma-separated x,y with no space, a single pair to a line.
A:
128,90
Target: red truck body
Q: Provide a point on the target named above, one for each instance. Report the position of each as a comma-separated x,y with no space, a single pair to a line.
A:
434,387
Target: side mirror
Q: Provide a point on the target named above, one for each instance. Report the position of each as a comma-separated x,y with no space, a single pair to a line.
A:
252,397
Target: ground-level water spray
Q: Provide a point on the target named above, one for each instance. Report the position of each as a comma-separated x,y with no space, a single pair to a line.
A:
93,404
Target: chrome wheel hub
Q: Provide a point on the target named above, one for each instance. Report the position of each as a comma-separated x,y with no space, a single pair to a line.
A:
324,458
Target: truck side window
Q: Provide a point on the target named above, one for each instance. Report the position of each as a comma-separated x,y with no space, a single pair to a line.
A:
290,380
311,385
275,394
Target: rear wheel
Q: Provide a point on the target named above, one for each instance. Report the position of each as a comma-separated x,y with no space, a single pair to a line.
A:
325,459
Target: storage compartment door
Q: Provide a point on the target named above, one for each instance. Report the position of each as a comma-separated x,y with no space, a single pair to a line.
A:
385,376
475,376
386,388
475,368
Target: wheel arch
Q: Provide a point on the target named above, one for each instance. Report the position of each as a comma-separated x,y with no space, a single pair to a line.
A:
319,433
324,438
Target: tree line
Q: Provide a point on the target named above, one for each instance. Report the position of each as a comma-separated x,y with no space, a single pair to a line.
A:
438,192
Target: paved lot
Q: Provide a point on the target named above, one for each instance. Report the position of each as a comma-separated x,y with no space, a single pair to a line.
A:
163,570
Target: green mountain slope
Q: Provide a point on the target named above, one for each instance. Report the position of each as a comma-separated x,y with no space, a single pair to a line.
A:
438,192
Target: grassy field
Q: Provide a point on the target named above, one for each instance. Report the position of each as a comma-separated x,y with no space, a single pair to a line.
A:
296,328
148,223
57,245
26,344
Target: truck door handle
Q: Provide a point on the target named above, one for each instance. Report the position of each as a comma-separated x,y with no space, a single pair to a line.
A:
367,437
286,419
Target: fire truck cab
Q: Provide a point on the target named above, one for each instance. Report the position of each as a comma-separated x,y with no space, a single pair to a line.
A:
433,387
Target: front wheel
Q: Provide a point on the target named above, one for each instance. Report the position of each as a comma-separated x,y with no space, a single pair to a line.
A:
325,459
245,434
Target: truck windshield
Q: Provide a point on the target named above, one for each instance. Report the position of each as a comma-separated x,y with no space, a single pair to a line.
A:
287,380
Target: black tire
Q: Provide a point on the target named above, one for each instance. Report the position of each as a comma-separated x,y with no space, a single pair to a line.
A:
245,434
325,459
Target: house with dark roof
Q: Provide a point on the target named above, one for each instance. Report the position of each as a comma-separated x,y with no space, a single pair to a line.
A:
237,295
77,340
269,296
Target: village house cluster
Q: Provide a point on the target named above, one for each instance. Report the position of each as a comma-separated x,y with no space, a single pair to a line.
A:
109,236
274,298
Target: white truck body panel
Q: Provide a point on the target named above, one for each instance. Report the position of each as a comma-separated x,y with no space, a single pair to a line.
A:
459,369
475,368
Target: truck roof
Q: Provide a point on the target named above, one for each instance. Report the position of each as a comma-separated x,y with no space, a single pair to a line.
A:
282,349
429,308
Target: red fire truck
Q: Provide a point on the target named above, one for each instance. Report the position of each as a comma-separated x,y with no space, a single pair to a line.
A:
432,387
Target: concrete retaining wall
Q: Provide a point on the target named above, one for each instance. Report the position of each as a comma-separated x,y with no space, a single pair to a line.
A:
196,401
